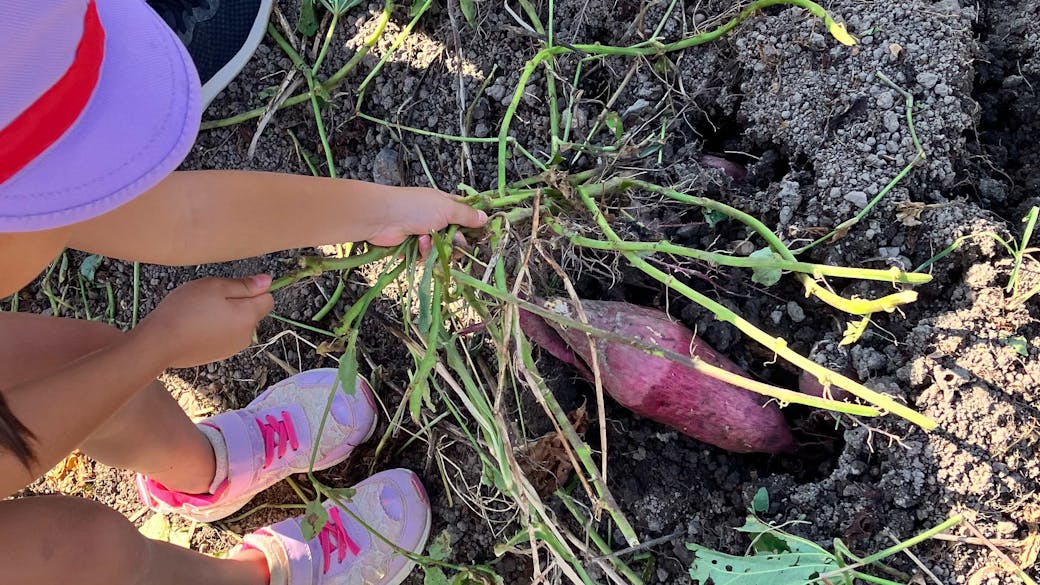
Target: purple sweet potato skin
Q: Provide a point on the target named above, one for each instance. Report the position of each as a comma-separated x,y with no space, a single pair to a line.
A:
696,404
810,384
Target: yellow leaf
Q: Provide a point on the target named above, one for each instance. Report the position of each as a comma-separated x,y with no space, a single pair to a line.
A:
157,528
838,31
854,330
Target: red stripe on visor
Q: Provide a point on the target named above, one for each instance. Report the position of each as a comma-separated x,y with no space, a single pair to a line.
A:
50,116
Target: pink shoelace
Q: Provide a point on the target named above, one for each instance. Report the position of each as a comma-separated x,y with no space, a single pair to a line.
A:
334,538
278,434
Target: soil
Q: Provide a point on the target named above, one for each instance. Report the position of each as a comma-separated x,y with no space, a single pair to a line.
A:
820,135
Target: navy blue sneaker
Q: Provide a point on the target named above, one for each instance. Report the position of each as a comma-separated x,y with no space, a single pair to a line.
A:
221,35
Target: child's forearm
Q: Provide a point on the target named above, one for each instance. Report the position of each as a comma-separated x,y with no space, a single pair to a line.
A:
63,409
195,217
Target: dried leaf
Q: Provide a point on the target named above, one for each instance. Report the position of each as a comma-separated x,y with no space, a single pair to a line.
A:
71,475
1030,551
545,461
909,213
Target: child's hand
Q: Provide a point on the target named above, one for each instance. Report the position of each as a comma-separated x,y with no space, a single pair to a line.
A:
408,211
210,319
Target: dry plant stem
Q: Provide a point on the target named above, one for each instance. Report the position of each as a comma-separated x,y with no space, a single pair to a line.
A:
893,275
329,85
1009,564
776,345
548,401
514,483
779,394
597,374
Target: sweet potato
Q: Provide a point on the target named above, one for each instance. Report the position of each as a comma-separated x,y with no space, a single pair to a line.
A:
694,403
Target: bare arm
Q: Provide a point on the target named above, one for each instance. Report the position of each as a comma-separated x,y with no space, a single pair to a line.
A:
203,321
195,217
64,408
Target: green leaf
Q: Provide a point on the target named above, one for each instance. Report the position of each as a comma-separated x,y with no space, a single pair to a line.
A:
469,12
435,576
307,25
1018,343
348,367
440,548
763,275
713,217
613,121
339,7
314,519
760,503
791,568
89,267
776,540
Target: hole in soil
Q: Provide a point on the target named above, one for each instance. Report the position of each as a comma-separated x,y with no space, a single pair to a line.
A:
1006,165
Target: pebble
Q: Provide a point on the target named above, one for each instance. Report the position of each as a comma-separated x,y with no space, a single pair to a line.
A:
891,121
795,312
928,79
886,100
857,198
386,168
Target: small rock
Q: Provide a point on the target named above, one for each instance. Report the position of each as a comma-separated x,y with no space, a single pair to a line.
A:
386,168
857,198
891,121
795,312
943,89
928,79
886,100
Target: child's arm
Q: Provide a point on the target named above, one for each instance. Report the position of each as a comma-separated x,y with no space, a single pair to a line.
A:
195,217
200,322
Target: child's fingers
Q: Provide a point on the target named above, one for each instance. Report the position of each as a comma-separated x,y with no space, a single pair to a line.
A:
258,306
466,216
425,245
248,287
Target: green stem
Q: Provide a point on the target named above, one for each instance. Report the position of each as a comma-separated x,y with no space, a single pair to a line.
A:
336,294
304,326
393,48
315,265
325,46
1030,220
817,270
948,524
776,345
601,544
852,306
